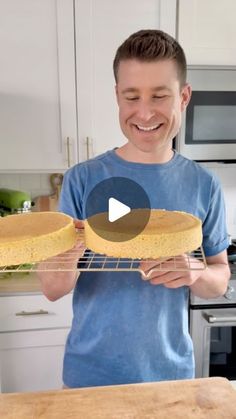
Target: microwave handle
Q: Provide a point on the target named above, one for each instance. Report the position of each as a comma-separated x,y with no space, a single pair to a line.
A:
220,319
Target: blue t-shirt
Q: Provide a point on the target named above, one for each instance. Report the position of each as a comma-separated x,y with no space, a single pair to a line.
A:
124,329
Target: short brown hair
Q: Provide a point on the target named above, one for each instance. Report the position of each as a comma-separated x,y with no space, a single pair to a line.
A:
151,45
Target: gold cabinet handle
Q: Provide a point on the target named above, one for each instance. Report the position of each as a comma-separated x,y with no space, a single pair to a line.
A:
68,152
89,147
31,313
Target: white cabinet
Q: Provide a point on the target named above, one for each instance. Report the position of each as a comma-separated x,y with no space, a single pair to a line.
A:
101,26
37,85
33,332
56,75
32,361
207,31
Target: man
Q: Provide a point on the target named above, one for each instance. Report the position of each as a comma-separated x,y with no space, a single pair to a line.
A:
124,329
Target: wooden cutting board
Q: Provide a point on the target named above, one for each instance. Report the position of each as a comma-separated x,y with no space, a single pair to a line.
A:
50,202
208,398
46,203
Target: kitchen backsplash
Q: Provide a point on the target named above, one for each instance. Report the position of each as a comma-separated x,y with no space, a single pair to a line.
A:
39,184
33,183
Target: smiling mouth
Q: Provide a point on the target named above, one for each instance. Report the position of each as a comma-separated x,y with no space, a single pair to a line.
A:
148,129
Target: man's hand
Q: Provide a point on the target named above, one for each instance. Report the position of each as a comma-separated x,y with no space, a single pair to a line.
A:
58,275
167,276
78,223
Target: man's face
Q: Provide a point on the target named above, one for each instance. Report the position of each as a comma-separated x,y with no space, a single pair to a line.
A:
150,103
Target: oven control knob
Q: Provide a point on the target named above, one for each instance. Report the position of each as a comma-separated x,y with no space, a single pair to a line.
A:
230,293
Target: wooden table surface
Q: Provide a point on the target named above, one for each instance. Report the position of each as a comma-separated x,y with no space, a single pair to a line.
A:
208,398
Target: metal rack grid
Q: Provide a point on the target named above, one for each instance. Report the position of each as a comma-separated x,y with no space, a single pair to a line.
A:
89,261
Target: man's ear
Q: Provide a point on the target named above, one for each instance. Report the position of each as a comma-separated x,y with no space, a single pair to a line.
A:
186,94
116,90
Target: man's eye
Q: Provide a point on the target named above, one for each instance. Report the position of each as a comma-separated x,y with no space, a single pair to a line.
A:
132,98
159,97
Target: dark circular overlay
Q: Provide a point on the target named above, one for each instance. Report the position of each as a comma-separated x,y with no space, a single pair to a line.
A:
127,192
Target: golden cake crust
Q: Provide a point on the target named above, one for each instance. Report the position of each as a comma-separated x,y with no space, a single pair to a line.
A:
36,236
167,233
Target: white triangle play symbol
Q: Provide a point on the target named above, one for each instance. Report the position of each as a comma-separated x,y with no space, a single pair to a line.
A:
116,209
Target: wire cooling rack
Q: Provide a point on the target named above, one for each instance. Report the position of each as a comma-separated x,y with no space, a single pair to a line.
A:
89,261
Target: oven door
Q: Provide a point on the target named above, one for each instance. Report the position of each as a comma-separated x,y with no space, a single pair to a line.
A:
202,322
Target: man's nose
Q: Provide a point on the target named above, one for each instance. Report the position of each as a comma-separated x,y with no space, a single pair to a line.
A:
145,111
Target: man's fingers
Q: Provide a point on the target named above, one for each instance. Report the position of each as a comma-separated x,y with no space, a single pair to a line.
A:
147,265
78,223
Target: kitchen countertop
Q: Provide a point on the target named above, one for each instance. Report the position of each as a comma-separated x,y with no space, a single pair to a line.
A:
19,283
203,398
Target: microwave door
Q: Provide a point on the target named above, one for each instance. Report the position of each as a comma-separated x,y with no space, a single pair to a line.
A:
208,131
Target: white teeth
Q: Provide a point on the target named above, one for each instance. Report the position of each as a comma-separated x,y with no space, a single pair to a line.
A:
148,128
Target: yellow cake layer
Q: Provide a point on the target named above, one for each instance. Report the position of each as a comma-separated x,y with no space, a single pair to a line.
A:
36,236
167,233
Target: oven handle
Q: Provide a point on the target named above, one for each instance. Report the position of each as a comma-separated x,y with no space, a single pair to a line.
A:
219,319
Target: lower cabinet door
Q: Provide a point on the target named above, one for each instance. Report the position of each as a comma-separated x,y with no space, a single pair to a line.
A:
32,360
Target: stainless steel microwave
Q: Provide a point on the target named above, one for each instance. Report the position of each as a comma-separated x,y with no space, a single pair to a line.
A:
208,131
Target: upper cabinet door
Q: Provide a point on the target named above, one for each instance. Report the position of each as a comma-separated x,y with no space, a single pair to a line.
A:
101,26
207,31
37,85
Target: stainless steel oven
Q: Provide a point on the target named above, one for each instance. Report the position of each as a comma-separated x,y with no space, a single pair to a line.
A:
213,331
208,131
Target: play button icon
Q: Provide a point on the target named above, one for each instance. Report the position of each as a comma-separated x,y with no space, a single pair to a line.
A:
109,209
116,209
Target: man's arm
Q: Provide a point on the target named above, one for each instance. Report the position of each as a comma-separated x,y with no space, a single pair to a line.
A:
213,281
208,283
56,284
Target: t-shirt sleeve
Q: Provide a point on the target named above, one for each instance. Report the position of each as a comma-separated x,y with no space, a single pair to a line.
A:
215,237
70,197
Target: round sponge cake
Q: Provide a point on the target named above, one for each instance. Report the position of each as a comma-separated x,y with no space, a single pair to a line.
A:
36,236
167,233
